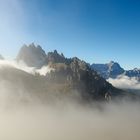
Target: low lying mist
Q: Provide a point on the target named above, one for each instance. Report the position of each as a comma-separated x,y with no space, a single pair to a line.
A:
22,66
71,121
26,117
125,82
23,117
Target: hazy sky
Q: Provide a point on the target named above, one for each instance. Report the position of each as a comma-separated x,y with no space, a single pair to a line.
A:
94,30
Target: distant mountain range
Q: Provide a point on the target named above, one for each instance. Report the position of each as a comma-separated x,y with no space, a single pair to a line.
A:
35,56
113,70
71,72
69,77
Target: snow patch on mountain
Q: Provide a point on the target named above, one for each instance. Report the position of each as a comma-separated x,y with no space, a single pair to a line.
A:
113,70
108,70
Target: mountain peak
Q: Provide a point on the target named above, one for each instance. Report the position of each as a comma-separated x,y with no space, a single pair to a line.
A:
111,69
111,63
71,72
32,55
55,57
114,65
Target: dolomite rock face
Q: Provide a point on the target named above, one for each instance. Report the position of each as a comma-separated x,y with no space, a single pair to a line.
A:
109,70
69,73
33,56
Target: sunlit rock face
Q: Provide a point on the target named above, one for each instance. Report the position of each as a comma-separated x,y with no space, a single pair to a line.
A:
114,70
68,74
109,70
55,57
33,56
53,75
133,73
66,81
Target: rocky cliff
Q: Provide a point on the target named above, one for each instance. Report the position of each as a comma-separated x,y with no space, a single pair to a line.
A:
74,73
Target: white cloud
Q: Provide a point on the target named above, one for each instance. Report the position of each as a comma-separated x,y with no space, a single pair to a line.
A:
71,122
22,66
44,70
125,82
64,120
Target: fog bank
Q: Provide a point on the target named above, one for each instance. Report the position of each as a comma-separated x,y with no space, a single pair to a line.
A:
71,122
125,82
23,116
22,66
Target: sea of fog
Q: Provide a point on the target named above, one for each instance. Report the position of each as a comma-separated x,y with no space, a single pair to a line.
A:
67,120
71,121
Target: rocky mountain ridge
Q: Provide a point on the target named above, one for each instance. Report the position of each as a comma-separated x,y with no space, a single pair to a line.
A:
113,70
72,72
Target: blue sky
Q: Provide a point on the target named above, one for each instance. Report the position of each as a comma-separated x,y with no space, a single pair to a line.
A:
96,31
